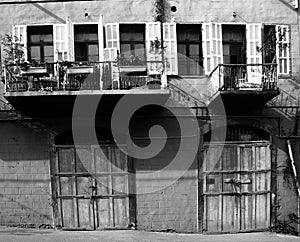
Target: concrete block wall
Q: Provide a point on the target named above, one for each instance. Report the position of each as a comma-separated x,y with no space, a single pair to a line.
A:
25,192
161,207
172,208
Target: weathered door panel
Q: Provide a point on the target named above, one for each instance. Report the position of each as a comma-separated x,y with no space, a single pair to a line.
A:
237,187
213,213
246,212
231,213
112,187
93,187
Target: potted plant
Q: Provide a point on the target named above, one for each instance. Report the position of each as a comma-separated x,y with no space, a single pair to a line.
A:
133,63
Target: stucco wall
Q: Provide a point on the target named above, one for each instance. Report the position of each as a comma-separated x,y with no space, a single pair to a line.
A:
287,200
188,11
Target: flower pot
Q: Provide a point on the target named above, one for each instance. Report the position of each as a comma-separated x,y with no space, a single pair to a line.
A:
128,69
155,84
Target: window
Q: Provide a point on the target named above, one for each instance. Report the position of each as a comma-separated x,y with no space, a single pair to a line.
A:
189,48
86,42
132,41
283,49
40,43
234,44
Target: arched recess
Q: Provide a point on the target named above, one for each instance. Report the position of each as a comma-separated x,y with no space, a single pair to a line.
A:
235,179
92,183
267,124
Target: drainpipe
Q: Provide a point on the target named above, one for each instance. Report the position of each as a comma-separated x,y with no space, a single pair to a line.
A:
296,179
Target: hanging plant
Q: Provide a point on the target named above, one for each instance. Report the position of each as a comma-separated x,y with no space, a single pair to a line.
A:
156,46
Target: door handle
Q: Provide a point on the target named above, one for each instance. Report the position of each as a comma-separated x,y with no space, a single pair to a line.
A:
246,181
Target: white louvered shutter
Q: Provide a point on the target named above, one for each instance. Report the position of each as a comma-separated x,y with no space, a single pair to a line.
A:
170,43
283,49
20,36
212,46
254,38
70,39
60,42
110,54
153,33
100,39
254,56
112,35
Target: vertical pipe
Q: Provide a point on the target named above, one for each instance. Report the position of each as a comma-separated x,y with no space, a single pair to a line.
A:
295,177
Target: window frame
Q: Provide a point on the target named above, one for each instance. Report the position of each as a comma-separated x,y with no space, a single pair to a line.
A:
85,43
187,44
243,42
41,44
133,42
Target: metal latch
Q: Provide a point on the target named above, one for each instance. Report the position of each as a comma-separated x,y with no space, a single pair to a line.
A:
237,182
210,181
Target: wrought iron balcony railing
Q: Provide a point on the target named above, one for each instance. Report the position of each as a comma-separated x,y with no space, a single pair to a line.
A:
244,77
73,76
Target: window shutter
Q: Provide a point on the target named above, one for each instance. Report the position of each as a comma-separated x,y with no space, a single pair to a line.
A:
60,42
212,46
112,35
283,49
254,56
70,39
110,54
254,39
170,42
100,39
153,33
20,36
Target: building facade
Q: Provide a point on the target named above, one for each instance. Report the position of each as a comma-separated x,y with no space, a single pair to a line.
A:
91,87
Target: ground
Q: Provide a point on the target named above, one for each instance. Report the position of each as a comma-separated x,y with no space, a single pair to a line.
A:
9,234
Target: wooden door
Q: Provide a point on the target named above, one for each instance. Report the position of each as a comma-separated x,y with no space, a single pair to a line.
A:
112,194
236,187
92,193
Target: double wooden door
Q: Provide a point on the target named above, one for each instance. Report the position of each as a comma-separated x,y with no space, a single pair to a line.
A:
237,187
92,187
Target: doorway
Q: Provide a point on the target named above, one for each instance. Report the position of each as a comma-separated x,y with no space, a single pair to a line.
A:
91,192
237,187
234,44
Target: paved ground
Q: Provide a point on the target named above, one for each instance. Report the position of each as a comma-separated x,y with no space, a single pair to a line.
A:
41,235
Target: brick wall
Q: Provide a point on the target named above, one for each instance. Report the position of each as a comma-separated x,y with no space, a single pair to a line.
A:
25,194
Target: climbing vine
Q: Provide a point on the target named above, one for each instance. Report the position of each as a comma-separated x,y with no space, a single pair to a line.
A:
161,11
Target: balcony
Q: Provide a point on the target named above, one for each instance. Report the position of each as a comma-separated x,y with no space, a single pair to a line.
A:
36,88
244,85
71,76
